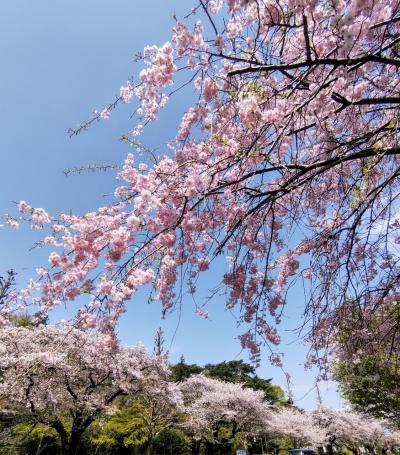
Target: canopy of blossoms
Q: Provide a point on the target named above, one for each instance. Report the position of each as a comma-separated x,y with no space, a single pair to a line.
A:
45,370
287,165
210,403
47,373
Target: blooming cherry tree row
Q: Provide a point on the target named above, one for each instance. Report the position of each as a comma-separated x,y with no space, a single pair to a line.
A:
210,403
69,379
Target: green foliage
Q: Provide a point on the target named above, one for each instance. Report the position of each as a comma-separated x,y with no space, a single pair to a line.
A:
369,375
182,370
21,320
171,441
345,451
125,428
272,392
134,426
231,371
27,438
26,320
371,386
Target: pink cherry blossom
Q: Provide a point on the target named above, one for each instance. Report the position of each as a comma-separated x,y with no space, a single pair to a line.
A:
105,114
286,165
47,372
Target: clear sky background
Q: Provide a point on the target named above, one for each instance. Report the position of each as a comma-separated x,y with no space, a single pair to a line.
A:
60,59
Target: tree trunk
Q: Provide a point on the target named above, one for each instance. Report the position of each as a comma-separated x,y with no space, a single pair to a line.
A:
74,440
149,447
70,445
59,427
332,440
209,448
196,445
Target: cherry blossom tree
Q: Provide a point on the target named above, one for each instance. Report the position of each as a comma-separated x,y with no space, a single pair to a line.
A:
287,165
211,404
298,425
346,428
393,439
70,378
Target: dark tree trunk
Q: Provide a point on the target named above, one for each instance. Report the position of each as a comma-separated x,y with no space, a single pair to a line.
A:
70,445
209,448
149,447
196,445
74,440
332,440
59,427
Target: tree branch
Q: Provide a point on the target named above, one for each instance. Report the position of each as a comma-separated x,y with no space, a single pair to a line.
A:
336,62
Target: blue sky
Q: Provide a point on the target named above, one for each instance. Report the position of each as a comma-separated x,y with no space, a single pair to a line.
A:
60,60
